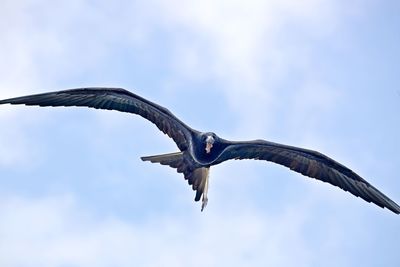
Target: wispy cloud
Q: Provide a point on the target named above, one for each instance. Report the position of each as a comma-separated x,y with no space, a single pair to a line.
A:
250,50
55,231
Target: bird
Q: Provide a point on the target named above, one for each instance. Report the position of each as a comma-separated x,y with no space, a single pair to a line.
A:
198,151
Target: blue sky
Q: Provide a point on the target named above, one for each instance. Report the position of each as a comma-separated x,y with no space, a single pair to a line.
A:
319,74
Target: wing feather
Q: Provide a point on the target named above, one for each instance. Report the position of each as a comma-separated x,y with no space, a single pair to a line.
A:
113,99
309,163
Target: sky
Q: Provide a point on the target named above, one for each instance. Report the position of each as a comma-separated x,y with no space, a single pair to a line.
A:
319,74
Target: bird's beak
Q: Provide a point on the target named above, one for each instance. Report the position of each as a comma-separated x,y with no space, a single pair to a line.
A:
209,144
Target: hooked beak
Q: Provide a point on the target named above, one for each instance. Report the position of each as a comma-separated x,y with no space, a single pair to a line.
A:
209,144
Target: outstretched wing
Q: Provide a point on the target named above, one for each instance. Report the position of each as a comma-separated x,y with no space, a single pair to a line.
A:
309,163
113,99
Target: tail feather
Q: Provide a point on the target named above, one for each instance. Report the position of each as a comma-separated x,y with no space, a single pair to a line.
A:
172,159
198,177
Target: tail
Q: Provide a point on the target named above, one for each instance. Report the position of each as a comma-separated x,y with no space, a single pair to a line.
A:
198,177
171,159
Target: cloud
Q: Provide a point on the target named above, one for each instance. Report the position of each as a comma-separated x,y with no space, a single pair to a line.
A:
21,152
251,50
57,231
239,47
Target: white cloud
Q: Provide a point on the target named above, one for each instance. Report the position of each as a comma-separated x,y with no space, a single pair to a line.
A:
55,231
248,49
240,46
19,75
17,149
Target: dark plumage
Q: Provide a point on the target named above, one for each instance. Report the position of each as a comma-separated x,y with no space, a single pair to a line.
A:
199,150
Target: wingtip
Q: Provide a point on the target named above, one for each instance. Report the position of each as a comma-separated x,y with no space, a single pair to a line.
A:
390,205
395,209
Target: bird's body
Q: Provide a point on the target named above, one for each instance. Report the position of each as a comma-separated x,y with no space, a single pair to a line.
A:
201,150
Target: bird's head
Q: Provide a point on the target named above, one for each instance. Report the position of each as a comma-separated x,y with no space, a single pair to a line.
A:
209,139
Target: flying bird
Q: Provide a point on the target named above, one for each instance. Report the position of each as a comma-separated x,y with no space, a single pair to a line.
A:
198,151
